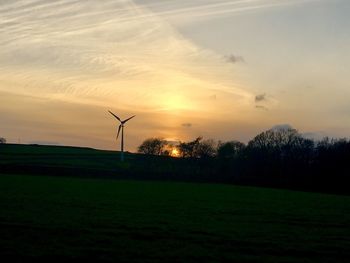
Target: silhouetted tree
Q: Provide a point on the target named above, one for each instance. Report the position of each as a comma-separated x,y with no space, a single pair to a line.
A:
2,140
275,139
189,149
282,142
276,157
230,150
206,149
332,162
153,146
279,152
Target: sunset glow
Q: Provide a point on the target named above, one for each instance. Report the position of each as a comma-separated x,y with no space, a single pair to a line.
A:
175,152
223,69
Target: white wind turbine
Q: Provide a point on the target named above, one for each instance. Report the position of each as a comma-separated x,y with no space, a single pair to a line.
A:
121,127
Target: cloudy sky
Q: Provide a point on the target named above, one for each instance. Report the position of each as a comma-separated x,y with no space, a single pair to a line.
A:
221,69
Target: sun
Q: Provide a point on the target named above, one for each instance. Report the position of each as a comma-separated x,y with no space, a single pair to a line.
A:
175,152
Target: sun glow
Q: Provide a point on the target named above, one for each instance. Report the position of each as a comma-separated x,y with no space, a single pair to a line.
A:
175,152
175,96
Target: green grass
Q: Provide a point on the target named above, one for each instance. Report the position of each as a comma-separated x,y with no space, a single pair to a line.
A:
129,221
57,156
87,162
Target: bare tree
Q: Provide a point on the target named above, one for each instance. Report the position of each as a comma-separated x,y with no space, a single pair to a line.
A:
153,146
276,139
2,140
188,149
206,149
229,150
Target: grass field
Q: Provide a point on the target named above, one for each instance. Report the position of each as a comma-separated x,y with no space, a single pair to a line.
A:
129,221
58,157
87,162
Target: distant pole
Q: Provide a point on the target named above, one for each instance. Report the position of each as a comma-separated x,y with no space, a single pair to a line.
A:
122,146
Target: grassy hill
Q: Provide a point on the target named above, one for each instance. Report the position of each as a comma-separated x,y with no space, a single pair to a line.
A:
57,157
69,161
87,162
70,219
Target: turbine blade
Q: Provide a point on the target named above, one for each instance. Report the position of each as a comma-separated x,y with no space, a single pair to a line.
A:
120,126
115,116
124,121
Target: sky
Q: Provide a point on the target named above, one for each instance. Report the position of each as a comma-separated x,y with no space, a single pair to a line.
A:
219,69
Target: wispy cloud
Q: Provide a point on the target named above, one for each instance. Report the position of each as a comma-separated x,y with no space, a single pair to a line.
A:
103,51
184,11
96,54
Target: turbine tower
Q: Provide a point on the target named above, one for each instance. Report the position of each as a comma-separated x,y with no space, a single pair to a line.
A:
121,127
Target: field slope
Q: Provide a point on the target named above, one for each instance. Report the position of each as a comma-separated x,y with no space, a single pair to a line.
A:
68,219
92,163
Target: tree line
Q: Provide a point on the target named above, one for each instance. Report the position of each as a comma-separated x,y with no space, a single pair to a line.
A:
276,157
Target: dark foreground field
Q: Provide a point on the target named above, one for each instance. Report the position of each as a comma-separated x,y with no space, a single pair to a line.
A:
67,219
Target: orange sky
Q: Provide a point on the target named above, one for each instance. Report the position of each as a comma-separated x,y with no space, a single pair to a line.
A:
183,69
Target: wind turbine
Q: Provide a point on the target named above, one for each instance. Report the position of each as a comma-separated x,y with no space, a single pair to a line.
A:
121,127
